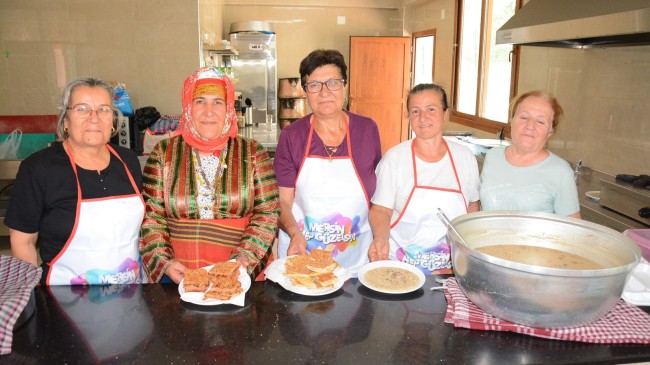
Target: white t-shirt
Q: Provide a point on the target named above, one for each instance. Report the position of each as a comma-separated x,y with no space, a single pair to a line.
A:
395,178
548,186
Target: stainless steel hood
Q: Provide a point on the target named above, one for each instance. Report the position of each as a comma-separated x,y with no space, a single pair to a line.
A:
578,24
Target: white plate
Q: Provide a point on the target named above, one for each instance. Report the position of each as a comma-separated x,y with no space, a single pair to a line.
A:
275,272
594,196
197,297
391,263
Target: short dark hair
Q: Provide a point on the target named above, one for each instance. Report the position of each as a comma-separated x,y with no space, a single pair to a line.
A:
424,87
322,57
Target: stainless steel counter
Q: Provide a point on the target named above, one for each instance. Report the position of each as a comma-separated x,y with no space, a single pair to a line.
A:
590,180
266,135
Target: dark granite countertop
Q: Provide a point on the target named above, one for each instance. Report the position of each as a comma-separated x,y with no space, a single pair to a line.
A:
148,324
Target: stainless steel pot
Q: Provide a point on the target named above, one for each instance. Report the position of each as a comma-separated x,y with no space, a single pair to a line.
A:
533,295
292,108
290,88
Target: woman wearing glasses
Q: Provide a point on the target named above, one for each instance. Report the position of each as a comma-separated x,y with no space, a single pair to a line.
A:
325,166
80,198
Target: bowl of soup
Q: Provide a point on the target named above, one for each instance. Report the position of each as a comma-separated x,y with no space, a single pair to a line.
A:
538,269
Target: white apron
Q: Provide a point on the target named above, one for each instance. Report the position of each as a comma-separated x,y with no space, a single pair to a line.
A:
103,245
331,208
418,236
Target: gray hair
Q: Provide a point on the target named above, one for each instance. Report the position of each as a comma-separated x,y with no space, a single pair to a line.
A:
61,133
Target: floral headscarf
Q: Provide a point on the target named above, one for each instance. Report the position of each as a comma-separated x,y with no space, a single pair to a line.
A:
186,129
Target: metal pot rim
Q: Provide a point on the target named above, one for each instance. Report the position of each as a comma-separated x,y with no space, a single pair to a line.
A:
458,221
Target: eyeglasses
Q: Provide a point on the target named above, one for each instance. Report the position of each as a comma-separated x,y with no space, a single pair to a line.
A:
317,86
84,110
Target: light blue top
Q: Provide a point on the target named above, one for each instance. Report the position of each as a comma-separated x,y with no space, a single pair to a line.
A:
547,186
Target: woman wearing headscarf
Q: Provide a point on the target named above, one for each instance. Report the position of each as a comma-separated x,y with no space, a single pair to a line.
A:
325,164
80,199
210,195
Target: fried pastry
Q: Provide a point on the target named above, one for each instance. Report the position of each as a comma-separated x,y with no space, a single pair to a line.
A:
313,271
216,292
224,270
196,280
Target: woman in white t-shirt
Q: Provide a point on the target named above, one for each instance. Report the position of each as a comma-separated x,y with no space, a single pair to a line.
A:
414,179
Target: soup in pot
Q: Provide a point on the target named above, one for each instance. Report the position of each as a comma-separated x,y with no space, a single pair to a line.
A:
540,256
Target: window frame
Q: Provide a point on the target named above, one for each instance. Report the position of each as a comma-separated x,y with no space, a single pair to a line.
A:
476,121
425,33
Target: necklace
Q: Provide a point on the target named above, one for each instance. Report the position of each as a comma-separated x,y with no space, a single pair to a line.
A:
330,150
221,166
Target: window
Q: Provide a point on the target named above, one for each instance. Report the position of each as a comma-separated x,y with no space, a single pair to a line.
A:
484,71
424,46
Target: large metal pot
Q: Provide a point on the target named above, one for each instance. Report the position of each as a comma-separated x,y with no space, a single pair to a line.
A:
290,88
533,295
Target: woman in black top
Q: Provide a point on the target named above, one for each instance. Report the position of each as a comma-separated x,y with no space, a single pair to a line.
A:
80,199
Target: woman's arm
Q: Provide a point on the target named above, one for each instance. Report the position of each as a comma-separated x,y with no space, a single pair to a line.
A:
155,248
379,219
258,237
297,244
23,246
474,206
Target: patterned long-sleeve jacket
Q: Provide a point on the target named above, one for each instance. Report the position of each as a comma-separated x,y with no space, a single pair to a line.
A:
246,189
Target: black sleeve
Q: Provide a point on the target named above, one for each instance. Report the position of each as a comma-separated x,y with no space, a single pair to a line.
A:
132,163
27,200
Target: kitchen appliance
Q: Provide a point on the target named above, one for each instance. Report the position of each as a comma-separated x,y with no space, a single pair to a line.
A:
534,295
254,67
125,133
626,199
578,24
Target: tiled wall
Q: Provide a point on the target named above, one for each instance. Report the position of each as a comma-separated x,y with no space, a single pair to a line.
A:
605,96
150,45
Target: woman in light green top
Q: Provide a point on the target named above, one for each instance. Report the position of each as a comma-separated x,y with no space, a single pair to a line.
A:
526,176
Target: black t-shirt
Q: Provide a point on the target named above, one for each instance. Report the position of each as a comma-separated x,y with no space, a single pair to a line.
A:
44,196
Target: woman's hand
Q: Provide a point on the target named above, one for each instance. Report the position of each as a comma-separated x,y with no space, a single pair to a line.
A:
378,250
379,219
243,261
176,271
297,245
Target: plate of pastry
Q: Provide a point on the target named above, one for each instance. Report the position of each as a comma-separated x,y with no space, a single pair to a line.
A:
314,274
221,283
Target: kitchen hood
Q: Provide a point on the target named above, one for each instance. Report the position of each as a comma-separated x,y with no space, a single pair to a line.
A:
578,24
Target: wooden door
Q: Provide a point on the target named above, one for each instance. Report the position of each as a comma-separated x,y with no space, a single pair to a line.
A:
379,83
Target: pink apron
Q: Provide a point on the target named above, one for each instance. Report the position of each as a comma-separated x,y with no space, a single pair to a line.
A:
331,208
103,245
417,236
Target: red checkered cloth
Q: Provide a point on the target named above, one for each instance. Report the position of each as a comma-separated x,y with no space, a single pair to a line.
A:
623,324
17,279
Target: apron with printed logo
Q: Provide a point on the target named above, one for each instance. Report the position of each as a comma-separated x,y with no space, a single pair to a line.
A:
103,245
331,208
418,236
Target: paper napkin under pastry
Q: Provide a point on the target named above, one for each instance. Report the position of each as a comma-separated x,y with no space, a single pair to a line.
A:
623,324
17,279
